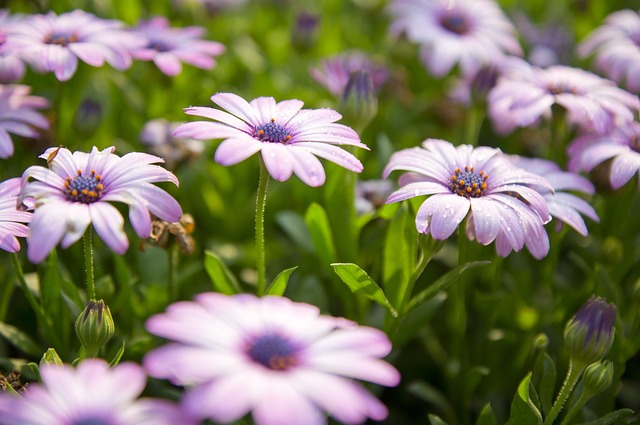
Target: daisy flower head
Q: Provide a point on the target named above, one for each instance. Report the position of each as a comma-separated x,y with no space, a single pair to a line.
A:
12,67
54,43
470,33
621,146
168,47
91,393
616,46
281,360
479,184
11,219
334,72
287,136
524,94
77,188
19,115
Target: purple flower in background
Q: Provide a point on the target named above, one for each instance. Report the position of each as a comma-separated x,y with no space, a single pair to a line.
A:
11,218
55,42
76,189
524,94
334,73
563,206
470,33
157,136
281,360
12,67
168,47
92,393
18,115
287,136
549,44
622,146
211,6
372,194
478,183
616,45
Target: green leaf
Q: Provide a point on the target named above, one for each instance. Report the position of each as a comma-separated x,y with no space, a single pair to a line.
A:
612,418
223,280
443,283
547,382
293,224
487,417
279,284
360,283
435,420
20,340
523,409
118,356
399,256
318,225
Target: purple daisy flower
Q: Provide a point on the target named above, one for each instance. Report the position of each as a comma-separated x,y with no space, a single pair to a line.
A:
281,360
92,393
616,45
287,136
18,115
622,146
168,47
470,33
334,73
12,67
55,42
11,218
524,94
563,206
76,189
478,183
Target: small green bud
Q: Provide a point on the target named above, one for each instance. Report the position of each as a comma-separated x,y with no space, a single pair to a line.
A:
94,327
589,335
50,357
598,377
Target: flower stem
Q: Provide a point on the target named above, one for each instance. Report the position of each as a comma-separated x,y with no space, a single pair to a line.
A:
261,202
88,261
573,374
172,289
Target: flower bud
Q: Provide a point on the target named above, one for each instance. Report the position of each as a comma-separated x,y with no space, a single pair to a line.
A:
359,101
589,335
598,377
50,357
87,118
305,31
94,327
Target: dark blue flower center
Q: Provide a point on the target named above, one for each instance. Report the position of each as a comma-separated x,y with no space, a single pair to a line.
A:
272,132
272,351
91,420
562,88
158,46
454,23
61,39
84,188
468,183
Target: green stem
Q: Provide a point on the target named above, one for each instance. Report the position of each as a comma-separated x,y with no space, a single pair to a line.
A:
88,261
573,374
171,280
473,125
459,327
261,202
577,406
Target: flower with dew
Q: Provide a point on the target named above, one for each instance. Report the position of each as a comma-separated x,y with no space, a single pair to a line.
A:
479,183
90,393
621,146
19,115
525,93
564,206
168,47
12,67
77,188
287,136
279,359
157,136
470,33
335,72
55,42
616,46
11,219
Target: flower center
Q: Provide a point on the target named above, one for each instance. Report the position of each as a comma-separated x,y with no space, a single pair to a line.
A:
90,421
83,188
634,143
560,88
468,183
158,46
272,132
272,351
60,39
454,23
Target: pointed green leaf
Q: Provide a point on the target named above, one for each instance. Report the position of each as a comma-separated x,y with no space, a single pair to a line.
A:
20,340
487,417
318,225
435,420
523,409
360,283
612,418
279,284
223,280
399,256
118,356
547,382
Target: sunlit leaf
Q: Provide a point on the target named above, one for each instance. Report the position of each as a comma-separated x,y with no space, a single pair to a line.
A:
223,280
360,283
523,409
279,284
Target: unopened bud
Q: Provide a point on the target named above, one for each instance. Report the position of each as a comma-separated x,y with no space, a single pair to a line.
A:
359,101
87,118
50,357
589,335
94,327
598,377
